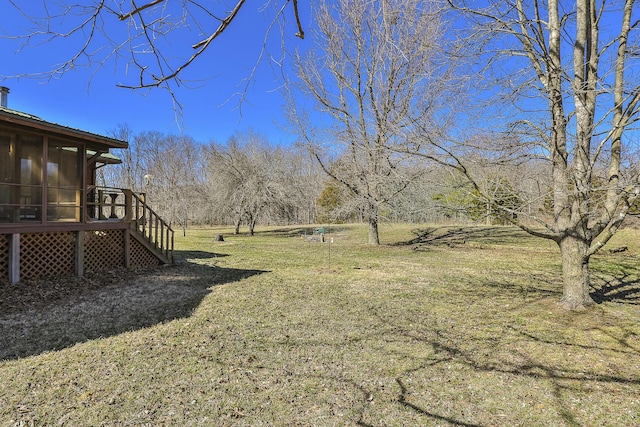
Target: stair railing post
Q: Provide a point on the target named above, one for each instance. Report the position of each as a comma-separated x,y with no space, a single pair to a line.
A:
128,202
100,204
155,240
113,214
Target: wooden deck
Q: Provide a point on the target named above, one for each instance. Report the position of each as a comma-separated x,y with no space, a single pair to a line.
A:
119,230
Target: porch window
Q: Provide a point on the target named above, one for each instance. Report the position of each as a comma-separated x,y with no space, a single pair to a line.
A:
20,178
64,182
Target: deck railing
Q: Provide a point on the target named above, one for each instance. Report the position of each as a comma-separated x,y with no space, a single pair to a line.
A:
156,230
119,204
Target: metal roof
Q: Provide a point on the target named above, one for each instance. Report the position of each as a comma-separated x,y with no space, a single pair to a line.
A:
106,158
93,140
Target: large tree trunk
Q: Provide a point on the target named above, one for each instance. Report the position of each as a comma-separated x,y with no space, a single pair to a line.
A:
575,273
374,236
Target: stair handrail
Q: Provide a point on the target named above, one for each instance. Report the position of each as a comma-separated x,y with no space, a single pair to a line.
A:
148,223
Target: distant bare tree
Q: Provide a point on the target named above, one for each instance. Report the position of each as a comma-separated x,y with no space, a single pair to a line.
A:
304,179
421,201
176,176
376,71
169,169
130,173
250,180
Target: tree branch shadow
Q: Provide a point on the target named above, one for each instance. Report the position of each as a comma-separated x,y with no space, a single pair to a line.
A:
621,284
619,291
482,355
105,305
403,401
618,281
301,231
455,236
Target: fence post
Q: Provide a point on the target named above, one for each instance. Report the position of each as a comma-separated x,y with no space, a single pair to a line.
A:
79,253
14,259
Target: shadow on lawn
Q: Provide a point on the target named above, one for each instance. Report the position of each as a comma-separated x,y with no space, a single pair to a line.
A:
301,231
620,291
188,255
56,314
527,369
453,236
402,399
620,283
614,279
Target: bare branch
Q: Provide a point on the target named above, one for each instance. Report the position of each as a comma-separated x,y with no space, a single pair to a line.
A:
300,32
137,10
143,35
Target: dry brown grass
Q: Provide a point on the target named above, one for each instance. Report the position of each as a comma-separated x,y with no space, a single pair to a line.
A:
441,326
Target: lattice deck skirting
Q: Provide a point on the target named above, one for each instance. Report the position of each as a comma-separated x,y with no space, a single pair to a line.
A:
139,256
103,250
54,254
4,258
47,254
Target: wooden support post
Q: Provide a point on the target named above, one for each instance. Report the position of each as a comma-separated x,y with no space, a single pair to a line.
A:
128,202
101,200
166,250
155,240
143,198
80,253
127,248
113,214
14,259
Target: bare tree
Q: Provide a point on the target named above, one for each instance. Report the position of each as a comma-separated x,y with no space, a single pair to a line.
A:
169,169
304,180
130,173
177,178
570,73
249,180
142,34
375,71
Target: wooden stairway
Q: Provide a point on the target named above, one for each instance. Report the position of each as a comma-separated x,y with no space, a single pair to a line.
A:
148,228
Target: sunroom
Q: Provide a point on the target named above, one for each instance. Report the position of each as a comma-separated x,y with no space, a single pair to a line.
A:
54,219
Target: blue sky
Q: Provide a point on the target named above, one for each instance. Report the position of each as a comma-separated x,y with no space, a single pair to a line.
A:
210,109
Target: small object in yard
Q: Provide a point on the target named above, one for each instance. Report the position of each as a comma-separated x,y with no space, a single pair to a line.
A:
218,238
619,249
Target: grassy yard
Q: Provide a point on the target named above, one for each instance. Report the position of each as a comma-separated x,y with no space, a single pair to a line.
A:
440,326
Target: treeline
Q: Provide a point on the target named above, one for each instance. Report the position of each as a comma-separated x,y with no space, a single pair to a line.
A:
248,181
